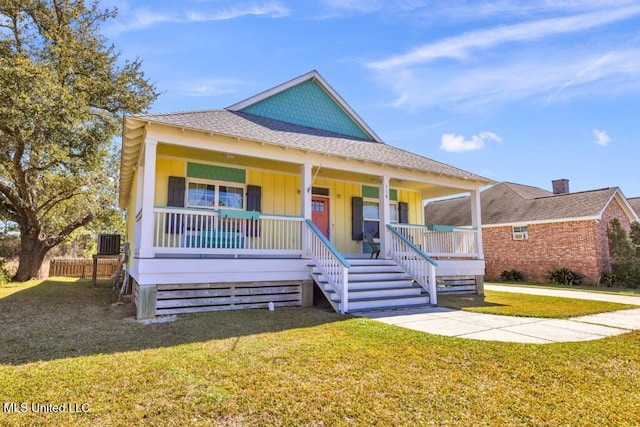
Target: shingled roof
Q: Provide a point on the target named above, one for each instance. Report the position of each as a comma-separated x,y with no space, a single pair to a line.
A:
510,203
266,130
303,114
635,204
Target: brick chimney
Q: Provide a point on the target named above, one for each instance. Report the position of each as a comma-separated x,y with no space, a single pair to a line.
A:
560,186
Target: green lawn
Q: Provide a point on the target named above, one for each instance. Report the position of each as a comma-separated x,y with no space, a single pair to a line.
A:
513,304
588,288
65,343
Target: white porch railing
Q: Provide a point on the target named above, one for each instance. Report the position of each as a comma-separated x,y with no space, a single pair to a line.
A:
329,261
200,231
459,242
414,261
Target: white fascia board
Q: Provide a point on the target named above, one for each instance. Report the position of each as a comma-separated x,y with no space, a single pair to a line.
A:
631,213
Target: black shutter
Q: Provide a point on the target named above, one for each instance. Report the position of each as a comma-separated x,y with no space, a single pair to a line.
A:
403,212
254,198
357,218
175,197
254,203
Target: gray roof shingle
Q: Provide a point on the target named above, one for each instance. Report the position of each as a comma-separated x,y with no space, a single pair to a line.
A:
507,203
635,204
252,127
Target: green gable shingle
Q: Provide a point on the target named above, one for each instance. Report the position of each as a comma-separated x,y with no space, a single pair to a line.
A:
216,173
307,104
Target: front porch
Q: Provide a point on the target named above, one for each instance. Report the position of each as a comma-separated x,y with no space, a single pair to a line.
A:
203,260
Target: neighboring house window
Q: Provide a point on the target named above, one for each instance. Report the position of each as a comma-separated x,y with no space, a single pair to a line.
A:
214,195
520,232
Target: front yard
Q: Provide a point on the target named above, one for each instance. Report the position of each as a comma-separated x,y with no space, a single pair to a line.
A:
64,343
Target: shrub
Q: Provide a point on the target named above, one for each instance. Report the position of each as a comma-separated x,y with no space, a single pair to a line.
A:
512,276
564,276
608,280
5,277
627,273
625,254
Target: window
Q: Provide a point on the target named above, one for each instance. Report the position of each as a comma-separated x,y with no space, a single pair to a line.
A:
393,212
202,195
371,216
520,232
231,197
214,195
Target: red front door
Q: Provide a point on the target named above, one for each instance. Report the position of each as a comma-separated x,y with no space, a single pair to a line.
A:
320,214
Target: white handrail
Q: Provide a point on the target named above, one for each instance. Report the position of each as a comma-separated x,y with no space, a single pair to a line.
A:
414,261
459,242
333,266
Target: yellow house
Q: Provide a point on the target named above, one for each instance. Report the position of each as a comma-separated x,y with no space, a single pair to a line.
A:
253,205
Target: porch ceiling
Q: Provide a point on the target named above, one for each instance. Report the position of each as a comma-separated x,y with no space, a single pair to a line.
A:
427,190
227,158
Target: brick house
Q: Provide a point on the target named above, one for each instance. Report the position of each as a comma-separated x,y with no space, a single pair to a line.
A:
533,230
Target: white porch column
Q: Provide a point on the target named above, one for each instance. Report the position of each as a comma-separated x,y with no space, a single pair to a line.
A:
476,220
305,208
385,216
306,190
148,194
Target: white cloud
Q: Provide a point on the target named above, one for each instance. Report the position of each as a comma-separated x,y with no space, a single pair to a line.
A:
138,19
271,10
365,6
459,47
457,143
529,60
601,137
559,75
472,10
207,86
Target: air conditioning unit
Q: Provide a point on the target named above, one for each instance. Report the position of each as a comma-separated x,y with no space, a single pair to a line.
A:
108,244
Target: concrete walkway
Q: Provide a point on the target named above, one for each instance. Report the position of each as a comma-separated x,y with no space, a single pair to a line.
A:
565,293
463,324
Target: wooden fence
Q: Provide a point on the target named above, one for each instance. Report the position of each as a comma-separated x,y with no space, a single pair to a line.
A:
82,267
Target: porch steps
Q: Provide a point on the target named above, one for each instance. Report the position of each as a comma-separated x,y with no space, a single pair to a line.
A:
375,284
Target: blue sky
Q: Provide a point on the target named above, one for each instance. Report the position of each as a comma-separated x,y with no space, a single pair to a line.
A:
520,91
